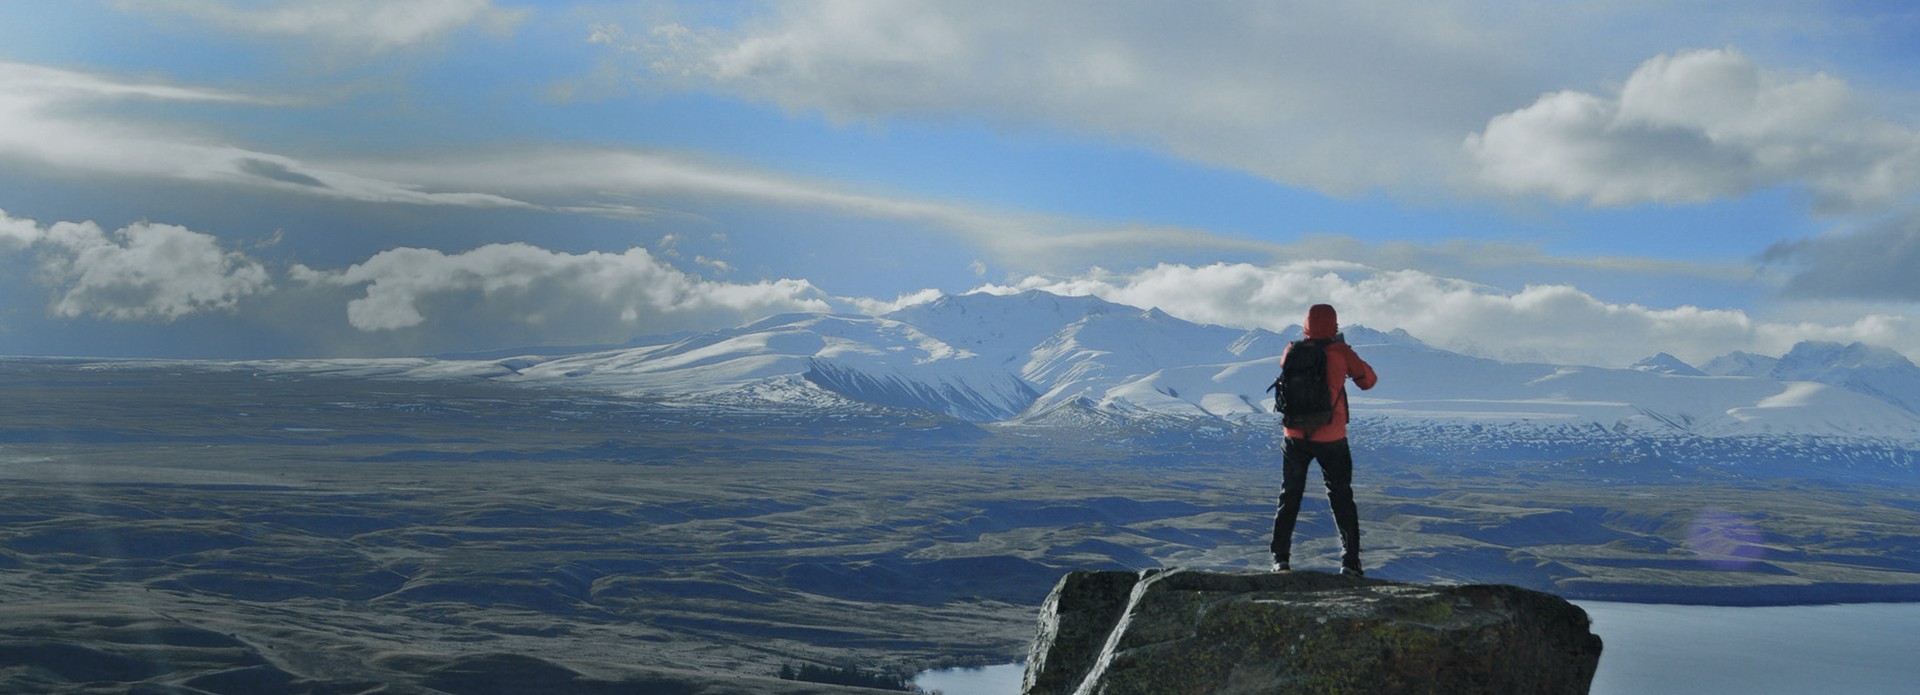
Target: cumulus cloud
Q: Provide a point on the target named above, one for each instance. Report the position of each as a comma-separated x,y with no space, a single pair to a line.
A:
360,25
588,296
144,271
489,295
1550,323
512,293
1697,126
18,233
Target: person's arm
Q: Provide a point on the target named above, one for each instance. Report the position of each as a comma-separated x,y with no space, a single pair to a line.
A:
1361,372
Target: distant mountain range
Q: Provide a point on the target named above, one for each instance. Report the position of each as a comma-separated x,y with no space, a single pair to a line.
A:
1039,359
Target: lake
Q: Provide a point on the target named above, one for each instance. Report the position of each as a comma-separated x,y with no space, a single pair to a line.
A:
1653,649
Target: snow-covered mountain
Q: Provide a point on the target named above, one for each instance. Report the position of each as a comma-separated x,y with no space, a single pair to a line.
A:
1039,359
1874,371
1664,363
1740,363
807,358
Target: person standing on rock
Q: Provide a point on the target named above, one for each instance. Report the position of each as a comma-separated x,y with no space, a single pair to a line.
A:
1318,435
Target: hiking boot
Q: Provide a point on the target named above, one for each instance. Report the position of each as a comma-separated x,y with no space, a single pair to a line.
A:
1352,571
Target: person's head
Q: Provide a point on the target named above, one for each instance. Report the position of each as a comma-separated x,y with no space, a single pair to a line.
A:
1322,322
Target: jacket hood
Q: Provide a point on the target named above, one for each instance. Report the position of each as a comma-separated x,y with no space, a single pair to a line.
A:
1322,322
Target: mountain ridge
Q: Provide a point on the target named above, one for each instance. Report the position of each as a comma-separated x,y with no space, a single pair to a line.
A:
1035,358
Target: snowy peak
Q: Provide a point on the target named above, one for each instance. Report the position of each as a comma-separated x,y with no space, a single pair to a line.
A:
1811,360
1001,324
1740,363
1041,359
1358,335
1874,371
1663,363
859,358
1256,344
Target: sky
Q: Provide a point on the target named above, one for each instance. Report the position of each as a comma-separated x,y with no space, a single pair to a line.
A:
1579,183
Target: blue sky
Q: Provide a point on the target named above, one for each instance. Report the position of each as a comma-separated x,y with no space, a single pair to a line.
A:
1581,183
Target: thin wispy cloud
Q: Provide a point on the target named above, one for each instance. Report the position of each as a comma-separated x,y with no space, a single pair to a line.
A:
585,181
66,120
376,26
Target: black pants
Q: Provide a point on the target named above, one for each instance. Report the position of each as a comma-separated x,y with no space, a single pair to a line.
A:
1336,468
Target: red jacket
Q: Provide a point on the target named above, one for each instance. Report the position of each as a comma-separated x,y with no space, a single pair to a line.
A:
1342,363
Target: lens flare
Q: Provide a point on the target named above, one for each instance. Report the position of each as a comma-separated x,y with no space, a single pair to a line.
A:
1725,541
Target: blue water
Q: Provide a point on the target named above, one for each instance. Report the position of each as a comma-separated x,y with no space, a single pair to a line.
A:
1691,650
1856,648
990,680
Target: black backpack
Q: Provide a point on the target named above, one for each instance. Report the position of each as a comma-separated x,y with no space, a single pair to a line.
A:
1300,394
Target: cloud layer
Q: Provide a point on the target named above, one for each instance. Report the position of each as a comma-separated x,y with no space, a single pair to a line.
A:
581,297
1550,323
486,295
46,117
49,116
508,294
1341,97
1337,96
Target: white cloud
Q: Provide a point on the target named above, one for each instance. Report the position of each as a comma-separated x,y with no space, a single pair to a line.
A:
36,86
1338,96
584,297
877,307
564,172
514,293
360,25
1552,323
1698,126
1021,240
18,233
143,271
51,116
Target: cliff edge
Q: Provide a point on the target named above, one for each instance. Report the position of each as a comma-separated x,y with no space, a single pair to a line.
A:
1195,632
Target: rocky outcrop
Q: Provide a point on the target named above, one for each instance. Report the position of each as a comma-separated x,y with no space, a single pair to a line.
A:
1179,631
